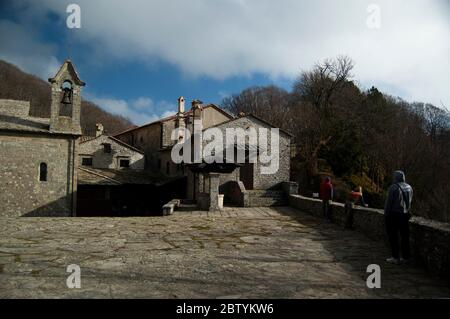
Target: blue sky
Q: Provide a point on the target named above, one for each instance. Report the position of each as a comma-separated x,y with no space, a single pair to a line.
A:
137,57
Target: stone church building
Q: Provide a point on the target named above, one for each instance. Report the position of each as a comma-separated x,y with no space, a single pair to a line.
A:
38,155
241,185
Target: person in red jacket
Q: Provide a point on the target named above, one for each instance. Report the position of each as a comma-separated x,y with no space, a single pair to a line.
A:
326,195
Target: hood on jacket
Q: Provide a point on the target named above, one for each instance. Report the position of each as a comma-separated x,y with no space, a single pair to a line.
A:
399,177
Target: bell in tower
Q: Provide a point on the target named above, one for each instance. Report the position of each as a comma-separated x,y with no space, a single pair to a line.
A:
67,95
66,100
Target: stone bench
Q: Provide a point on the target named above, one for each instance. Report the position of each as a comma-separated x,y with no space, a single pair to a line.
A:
170,207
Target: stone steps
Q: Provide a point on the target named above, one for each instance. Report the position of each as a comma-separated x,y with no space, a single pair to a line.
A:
187,207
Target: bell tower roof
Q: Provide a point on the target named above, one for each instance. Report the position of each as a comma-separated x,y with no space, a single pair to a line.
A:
69,68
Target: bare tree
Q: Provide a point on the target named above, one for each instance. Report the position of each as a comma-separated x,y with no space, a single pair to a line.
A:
269,103
318,87
325,80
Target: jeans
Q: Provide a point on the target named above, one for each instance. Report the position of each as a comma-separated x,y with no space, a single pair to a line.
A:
397,225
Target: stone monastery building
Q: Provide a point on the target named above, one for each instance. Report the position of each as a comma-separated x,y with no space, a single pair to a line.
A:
50,169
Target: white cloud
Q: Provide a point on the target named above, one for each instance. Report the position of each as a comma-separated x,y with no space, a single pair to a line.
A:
21,46
134,109
220,39
168,113
223,94
143,103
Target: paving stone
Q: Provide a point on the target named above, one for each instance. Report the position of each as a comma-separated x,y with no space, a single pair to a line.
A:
273,252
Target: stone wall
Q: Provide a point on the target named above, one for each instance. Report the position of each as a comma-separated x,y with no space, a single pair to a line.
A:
21,192
266,198
264,181
290,188
235,193
167,128
15,108
148,139
211,117
94,148
430,240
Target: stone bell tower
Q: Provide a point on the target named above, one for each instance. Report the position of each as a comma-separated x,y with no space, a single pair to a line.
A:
66,100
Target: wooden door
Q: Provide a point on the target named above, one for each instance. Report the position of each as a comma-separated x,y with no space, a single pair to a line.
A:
246,175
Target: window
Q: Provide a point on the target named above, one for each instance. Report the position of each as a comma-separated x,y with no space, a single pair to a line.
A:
86,161
107,148
124,163
43,172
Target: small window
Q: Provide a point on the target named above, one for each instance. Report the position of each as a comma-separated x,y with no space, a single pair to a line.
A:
107,148
43,172
86,161
124,163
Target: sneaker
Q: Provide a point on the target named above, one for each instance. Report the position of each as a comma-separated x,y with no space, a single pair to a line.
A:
394,261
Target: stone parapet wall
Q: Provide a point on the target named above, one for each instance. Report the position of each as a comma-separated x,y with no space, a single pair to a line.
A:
430,240
290,188
14,108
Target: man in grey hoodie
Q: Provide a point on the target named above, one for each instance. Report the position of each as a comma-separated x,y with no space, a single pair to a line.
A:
397,211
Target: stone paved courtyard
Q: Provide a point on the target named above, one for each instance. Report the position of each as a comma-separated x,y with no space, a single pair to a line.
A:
238,253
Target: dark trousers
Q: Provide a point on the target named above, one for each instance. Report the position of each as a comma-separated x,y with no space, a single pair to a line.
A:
326,206
397,225
348,215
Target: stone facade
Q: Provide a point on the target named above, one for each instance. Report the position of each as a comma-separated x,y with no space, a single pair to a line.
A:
94,150
39,155
262,181
154,139
244,186
21,191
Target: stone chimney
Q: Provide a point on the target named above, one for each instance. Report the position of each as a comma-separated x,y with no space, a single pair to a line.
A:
180,121
99,129
197,109
181,104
